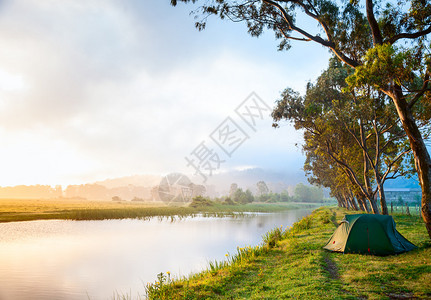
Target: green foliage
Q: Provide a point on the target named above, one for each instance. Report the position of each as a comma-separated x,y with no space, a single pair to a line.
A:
262,188
156,290
306,193
164,286
400,201
382,65
303,224
273,236
353,139
242,197
249,196
417,199
228,201
233,188
284,197
326,217
200,201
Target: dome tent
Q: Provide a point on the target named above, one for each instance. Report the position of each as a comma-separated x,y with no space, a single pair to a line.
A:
368,234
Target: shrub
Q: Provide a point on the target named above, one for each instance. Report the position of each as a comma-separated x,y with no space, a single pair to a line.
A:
325,217
228,201
303,224
271,238
200,201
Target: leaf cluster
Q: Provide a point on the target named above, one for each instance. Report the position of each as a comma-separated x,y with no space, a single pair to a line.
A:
350,140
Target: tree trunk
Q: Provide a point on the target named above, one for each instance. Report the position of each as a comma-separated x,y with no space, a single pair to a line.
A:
363,203
346,201
382,196
366,163
373,203
340,201
354,204
360,205
407,209
420,152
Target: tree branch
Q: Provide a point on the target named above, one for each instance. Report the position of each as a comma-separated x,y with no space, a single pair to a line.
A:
409,35
291,37
285,16
374,26
347,170
389,166
351,62
421,92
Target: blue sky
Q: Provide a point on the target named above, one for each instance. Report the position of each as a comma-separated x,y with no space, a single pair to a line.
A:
99,89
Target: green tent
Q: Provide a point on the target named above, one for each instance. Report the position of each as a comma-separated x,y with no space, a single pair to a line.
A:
368,234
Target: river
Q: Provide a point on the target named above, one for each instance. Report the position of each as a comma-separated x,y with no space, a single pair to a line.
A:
57,259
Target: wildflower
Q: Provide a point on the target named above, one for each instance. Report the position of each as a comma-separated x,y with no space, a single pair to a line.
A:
169,273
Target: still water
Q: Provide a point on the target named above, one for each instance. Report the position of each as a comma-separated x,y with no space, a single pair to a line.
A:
94,259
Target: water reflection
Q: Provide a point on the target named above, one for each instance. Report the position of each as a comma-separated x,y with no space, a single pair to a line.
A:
92,259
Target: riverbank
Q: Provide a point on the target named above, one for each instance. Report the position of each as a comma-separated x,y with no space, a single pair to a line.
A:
12,210
291,264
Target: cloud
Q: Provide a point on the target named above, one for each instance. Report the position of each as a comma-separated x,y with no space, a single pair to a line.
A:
96,89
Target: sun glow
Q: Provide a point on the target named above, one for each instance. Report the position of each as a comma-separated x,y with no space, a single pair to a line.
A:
11,82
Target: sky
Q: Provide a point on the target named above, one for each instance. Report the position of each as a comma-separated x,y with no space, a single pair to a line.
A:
96,89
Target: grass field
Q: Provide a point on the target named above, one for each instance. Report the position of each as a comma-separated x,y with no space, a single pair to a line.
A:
29,209
291,264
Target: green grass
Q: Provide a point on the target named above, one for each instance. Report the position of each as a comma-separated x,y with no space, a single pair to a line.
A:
291,264
28,209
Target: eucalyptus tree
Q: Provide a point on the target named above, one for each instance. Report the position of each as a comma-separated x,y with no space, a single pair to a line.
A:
371,120
362,136
262,188
324,136
378,133
384,41
322,171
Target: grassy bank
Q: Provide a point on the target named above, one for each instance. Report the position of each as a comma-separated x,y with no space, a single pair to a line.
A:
65,209
291,264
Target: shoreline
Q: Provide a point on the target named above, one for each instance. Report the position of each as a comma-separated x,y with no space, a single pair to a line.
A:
292,264
19,210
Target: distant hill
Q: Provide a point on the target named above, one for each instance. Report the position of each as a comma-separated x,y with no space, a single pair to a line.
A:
143,186
148,180
219,184
401,182
276,181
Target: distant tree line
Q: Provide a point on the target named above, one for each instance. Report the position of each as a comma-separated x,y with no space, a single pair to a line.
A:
31,191
85,191
302,193
100,192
